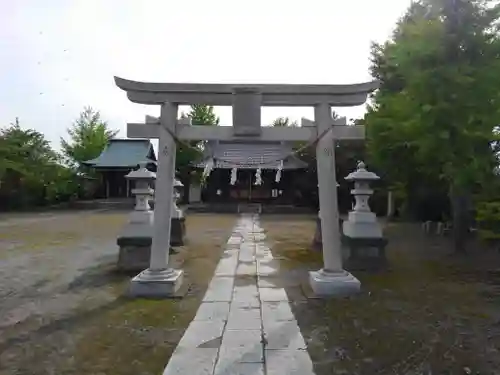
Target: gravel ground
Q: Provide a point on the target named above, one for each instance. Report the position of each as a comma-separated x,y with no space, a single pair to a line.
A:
62,306
43,259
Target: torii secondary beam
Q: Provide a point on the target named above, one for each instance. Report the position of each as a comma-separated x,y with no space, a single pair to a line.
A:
150,129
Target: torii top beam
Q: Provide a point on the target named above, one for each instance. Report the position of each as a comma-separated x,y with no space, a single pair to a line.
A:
286,95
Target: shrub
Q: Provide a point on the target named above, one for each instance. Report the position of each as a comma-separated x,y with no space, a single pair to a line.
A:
488,220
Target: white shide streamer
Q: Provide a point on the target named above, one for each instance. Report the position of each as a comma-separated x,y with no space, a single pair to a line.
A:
208,168
234,175
278,172
258,177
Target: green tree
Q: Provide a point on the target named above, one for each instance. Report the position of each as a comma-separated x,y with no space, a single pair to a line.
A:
201,114
284,121
189,152
30,171
438,103
88,137
21,150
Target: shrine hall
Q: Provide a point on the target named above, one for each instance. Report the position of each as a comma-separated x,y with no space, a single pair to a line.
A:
251,172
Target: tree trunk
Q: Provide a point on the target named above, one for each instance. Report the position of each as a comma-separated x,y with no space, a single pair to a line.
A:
459,200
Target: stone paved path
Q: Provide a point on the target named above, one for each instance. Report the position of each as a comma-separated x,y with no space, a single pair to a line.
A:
244,325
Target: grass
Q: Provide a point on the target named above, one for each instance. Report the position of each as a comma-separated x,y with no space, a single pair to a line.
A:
430,313
56,232
117,335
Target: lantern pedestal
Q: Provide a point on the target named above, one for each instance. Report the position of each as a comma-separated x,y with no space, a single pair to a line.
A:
177,231
177,221
135,244
135,238
362,239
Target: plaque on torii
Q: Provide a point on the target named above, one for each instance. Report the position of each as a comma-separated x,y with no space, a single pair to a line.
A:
247,108
246,100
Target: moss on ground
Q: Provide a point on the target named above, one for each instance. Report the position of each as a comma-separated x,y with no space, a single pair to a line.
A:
46,234
420,315
140,335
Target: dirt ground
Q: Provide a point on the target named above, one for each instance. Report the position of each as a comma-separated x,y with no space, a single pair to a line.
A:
62,303
430,313
63,310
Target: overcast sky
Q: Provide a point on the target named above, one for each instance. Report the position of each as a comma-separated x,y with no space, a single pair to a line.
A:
58,56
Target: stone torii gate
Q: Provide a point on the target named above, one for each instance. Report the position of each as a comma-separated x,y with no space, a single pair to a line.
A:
246,100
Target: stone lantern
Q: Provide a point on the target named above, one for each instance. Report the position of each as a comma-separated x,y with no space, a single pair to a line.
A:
178,224
362,233
135,239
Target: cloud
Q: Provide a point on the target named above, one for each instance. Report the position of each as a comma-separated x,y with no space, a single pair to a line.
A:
59,56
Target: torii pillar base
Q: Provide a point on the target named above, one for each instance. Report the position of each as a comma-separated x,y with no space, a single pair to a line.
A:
333,284
156,283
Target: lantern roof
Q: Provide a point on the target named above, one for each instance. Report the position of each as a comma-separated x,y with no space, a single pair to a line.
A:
142,173
362,174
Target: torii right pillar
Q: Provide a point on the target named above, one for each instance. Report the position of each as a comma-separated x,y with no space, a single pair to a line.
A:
332,279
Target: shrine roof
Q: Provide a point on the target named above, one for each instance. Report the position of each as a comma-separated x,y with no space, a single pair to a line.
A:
124,153
251,155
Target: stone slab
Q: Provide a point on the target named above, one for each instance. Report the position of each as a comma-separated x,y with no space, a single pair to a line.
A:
289,362
247,247
266,269
262,247
234,240
220,289
249,290
226,267
231,254
277,311
277,282
198,361
283,335
239,369
204,334
212,311
244,319
273,294
239,338
268,282
246,269
246,257
253,303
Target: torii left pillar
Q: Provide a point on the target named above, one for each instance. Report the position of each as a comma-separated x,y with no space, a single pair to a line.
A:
160,279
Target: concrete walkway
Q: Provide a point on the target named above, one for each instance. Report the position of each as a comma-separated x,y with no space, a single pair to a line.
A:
244,325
